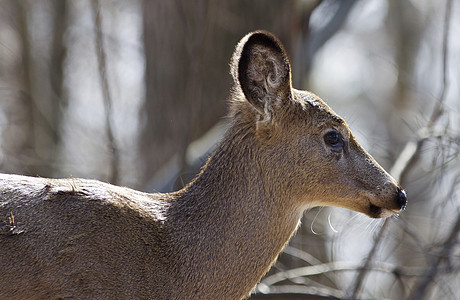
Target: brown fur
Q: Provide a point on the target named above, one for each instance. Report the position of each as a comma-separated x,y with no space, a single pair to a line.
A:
215,238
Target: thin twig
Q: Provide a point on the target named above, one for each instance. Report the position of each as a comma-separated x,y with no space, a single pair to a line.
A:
339,266
102,64
426,281
306,257
438,108
297,292
411,153
355,287
312,41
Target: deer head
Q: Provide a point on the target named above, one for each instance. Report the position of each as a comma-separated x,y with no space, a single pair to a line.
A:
305,147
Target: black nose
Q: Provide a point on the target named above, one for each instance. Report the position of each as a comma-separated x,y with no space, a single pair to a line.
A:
401,199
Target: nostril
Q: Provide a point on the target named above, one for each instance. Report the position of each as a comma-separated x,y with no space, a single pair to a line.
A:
401,199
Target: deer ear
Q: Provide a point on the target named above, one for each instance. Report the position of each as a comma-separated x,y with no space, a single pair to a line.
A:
261,68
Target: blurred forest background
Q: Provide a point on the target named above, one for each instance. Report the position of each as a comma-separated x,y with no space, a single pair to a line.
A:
134,93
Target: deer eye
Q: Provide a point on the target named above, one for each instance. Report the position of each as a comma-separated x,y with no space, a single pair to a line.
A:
334,140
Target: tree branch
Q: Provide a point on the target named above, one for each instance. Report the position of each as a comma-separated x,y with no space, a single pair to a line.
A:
311,41
410,155
336,266
355,287
425,283
102,65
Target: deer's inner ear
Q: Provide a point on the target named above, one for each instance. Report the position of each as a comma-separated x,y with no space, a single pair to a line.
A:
264,73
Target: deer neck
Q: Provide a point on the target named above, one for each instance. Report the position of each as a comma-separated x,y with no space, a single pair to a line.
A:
229,221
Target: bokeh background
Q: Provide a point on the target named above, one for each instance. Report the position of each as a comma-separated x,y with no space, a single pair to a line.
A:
134,93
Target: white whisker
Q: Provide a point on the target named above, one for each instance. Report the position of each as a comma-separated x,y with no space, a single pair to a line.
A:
313,222
329,222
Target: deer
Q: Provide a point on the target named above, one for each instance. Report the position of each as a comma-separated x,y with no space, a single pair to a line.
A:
285,151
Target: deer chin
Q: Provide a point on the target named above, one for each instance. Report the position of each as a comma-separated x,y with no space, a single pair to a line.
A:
374,207
364,203
377,212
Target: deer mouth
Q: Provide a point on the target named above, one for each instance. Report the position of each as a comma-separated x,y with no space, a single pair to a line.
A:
383,208
374,211
377,212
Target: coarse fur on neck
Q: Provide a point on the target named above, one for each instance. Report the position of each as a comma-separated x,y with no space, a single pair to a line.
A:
211,226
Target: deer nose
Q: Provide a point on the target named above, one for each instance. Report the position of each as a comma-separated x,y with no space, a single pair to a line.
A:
401,199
